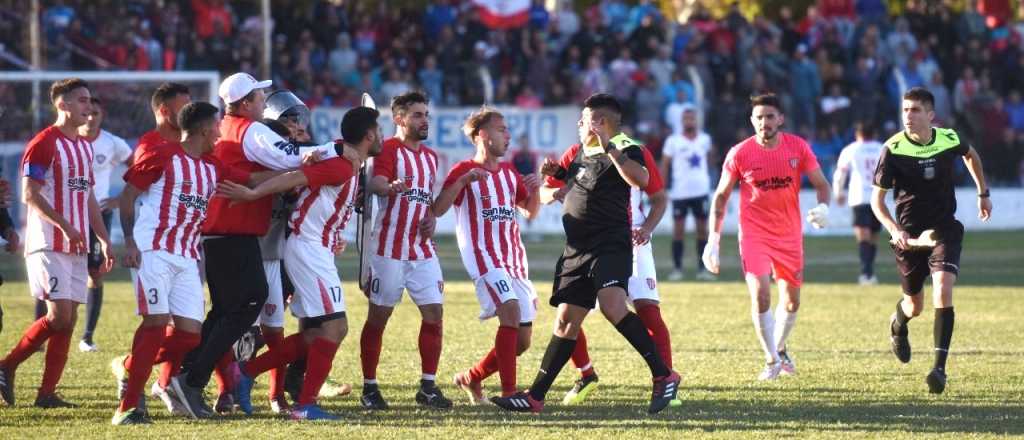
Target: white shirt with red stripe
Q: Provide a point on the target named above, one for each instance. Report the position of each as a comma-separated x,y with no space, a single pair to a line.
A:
396,228
325,205
64,169
177,190
485,220
637,213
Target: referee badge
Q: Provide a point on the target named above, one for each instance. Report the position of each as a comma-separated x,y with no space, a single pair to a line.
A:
929,173
793,162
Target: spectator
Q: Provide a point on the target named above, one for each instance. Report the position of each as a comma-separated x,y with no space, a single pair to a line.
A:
343,59
943,102
966,89
527,99
805,85
430,78
208,14
1015,109
649,101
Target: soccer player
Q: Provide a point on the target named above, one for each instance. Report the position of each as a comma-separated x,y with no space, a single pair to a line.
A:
684,162
768,167
57,183
234,264
917,164
643,283
162,246
487,193
109,151
598,251
858,162
405,258
324,207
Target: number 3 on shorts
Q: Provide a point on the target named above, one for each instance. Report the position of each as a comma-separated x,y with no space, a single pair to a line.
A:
153,296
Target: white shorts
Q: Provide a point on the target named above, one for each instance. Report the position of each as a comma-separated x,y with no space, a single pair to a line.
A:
497,287
389,277
643,284
168,283
272,314
311,268
57,275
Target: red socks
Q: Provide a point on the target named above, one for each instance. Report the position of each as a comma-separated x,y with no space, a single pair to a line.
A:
485,368
580,357
56,358
34,336
290,349
370,342
144,348
318,366
177,343
274,340
430,347
650,315
222,373
505,343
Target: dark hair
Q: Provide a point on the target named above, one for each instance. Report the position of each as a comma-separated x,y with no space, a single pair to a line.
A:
357,123
479,119
95,101
277,127
166,92
194,114
768,99
865,129
920,94
603,101
65,86
400,104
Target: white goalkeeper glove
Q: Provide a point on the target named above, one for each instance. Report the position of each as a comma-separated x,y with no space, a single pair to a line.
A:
710,257
818,216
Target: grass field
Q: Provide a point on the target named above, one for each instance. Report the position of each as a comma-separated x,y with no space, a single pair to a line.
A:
849,385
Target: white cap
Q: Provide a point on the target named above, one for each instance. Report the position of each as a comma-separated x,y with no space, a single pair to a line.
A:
236,86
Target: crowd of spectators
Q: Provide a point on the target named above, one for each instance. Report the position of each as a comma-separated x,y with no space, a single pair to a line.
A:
832,63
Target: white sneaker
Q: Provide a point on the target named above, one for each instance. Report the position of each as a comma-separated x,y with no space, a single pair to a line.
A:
676,275
706,276
771,371
86,347
865,280
173,406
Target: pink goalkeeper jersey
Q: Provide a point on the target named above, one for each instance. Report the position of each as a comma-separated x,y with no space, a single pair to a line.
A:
770,186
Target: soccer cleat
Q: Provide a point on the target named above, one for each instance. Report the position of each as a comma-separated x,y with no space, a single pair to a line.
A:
936,381
87,346
433,398
331,388
192,399
900,342
473,389
120,374
279,405
518,402
580,390
53,401
293,377
771,371
7,385
130,417
676,275
173,406
704,275
243,392
788,366
225,404
374,400
312,411
664,393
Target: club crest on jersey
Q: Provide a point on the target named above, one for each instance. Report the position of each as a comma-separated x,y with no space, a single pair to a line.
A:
100,158
269,309
929,173
440,286
651,284
793,162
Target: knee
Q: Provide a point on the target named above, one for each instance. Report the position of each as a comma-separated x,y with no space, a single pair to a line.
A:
61,320
762,299
160,320
508,313
566,329
613,311
792,304
916,305
523,345
433,313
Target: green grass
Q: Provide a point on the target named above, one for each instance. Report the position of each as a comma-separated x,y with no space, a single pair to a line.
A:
849,384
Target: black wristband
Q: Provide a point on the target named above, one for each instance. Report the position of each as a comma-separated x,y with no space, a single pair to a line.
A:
560,174
985,194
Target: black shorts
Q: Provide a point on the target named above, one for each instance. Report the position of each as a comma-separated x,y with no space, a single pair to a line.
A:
579,275
864,217
95,257
697,205
915,266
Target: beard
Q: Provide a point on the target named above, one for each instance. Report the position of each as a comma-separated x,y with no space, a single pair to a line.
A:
422,134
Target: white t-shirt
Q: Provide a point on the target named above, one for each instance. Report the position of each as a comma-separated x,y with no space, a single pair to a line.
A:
109,151
859,160
689,166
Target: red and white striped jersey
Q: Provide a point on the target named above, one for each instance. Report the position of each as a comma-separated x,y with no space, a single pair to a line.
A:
177,190
485,220
326,203
637,213
396,227
64,169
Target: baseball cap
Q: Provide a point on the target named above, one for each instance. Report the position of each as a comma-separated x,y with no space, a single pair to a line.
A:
236,86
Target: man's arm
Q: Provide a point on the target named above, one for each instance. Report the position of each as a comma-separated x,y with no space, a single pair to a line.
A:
659,203
263,146
530,206
33,197
665,165
973,162
100,229
632,172
720,200
839,182
127,209
899,236
821,186
447,197
280,183
549,194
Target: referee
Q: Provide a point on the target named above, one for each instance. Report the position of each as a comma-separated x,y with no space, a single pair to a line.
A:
918,164
598,257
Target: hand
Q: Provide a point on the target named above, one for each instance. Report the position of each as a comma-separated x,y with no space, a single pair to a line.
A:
818,216
235,191
13,241
601,133
473,175
710,256
312,157
841,199
984,208
560,194
75,238
108,256
427,224
109,204
397,187
132,256
549,167
339,246
900,238
641,236
531,182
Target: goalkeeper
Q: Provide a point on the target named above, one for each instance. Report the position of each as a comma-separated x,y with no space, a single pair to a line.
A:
768,166
917,164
